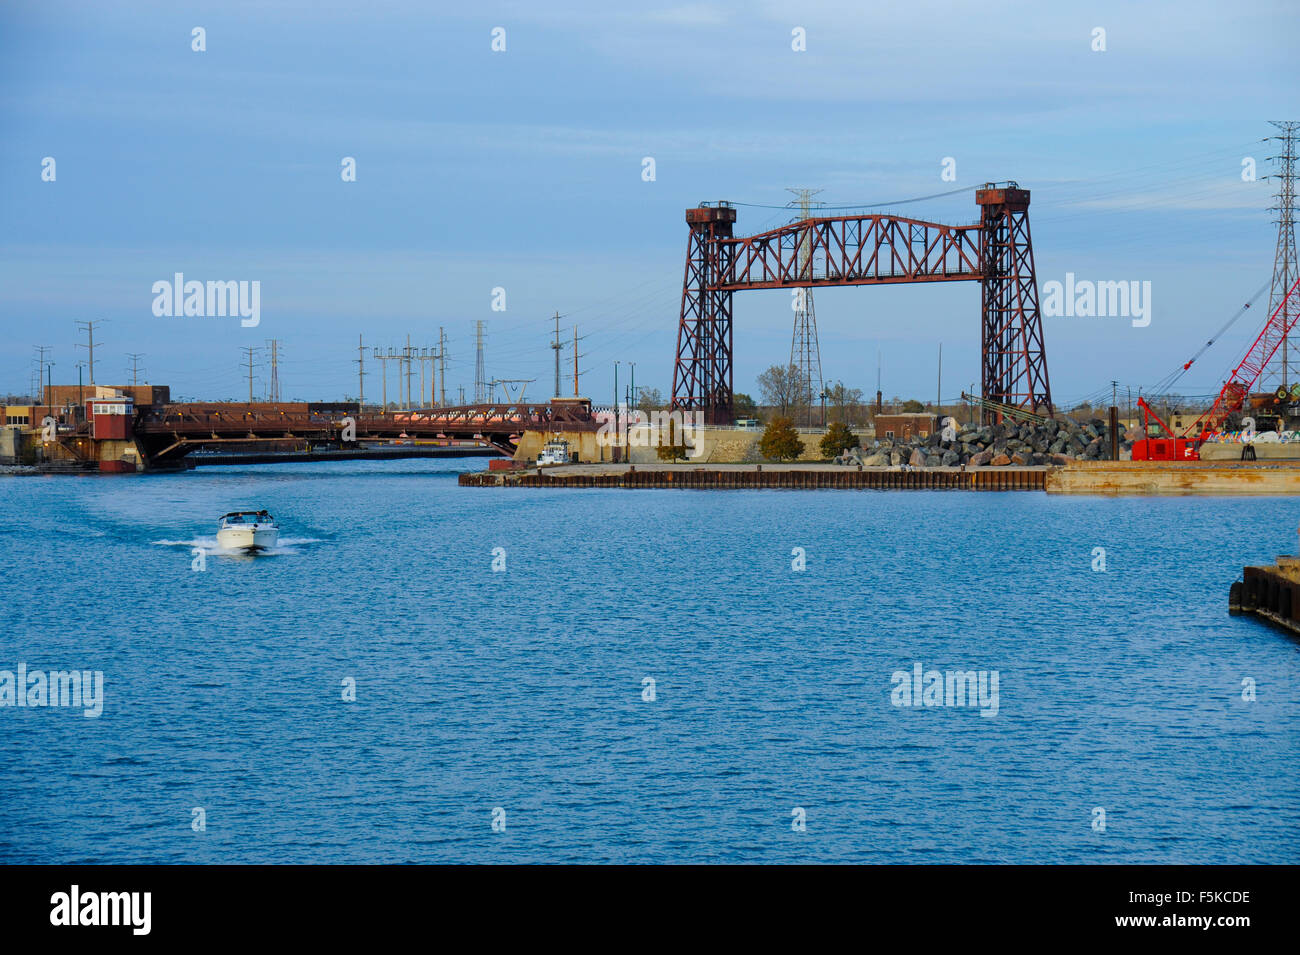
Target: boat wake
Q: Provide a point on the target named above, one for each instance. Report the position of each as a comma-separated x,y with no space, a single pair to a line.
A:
284,546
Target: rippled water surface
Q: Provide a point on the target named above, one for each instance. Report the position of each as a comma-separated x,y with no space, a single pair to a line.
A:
523,689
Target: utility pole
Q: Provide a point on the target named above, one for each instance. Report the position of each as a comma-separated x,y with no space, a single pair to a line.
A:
633,402
880,407
442,366
361,371
90,333
805,352
135,368
938,398
275,370
383,365
250,351
556,346
41,363
435,355
575,361
480,376
407,356
429,356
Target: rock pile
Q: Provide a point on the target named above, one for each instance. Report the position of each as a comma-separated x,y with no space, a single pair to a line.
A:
1054,442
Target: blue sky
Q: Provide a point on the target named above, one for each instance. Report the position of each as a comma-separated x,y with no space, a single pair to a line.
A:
522,169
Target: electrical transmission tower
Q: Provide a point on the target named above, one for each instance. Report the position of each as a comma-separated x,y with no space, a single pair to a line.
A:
556,346
274,396
805,352
1286,361
480,376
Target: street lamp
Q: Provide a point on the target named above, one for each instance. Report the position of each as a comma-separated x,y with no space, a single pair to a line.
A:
823,398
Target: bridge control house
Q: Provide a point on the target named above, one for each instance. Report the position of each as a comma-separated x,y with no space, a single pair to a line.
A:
901,427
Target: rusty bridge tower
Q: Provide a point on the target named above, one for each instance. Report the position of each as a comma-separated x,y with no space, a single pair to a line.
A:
702,377
1014,365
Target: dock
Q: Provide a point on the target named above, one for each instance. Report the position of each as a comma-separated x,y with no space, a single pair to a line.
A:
1269,593
761,476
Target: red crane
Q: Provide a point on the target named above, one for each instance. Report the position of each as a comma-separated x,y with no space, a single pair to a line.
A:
1231,398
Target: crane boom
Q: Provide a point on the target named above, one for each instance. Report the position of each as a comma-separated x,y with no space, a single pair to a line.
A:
1237,388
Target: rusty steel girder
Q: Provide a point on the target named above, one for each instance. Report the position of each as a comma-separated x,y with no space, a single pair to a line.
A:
864,250
853,250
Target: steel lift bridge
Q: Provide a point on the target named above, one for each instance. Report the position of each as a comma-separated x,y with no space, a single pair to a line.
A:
166,433
865,249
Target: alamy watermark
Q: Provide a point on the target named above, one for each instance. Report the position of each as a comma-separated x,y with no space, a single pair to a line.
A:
924,687
179,298
83,688
660,429
1085,298
128,909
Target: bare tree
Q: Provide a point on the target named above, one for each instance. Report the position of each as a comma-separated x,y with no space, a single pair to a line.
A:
650,399
782,388
846,404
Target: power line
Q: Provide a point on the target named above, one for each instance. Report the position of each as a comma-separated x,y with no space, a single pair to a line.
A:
861,205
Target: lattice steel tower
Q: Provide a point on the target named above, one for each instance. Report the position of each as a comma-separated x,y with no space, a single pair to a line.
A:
1284,369
480,375
805,352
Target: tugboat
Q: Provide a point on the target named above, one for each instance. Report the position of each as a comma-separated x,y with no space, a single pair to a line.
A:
249,531
555,451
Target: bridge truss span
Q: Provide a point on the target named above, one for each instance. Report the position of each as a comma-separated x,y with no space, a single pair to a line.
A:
868,249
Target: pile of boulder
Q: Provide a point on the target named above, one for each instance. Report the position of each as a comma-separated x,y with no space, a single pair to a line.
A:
1054,442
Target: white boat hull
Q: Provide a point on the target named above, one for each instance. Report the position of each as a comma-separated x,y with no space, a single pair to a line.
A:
249,537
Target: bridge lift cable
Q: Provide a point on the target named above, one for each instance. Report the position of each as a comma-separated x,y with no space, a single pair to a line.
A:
862,205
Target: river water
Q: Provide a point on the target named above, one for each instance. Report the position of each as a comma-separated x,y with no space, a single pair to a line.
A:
509,714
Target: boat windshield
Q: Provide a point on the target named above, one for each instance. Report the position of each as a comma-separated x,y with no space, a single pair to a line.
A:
247,517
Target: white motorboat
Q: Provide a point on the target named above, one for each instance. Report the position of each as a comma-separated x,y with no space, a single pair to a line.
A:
247,531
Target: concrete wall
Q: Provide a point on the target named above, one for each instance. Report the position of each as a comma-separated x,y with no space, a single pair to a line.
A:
1174,477
11,446
1264,451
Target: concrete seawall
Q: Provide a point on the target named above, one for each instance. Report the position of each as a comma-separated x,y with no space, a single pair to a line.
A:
1080,477
1175,477
723,477
1272,593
